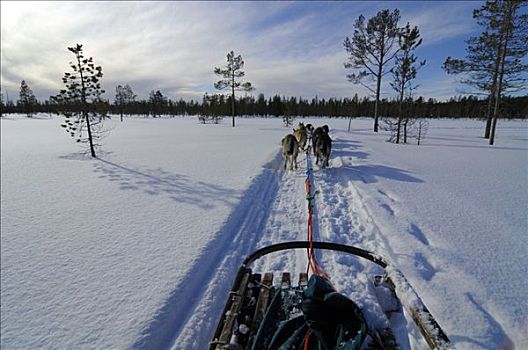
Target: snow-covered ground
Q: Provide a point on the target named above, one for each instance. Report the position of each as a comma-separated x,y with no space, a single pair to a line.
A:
137,249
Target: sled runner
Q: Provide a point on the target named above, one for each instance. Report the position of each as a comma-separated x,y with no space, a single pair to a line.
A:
307,313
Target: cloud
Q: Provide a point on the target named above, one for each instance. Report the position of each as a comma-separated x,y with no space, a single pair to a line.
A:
439,21
291,48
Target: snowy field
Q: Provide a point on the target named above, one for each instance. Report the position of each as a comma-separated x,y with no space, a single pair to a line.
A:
138,248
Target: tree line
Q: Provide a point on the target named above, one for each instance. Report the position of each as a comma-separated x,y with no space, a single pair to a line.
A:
379,47
157,105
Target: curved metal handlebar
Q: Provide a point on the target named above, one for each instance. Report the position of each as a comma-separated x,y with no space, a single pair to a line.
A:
365,254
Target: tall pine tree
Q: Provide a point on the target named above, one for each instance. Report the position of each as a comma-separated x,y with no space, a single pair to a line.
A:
493,62
372,47
231,75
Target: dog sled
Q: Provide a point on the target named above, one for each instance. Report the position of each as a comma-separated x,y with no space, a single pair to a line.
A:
264,311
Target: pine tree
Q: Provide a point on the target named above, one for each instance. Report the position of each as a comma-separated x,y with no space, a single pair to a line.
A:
232,74
211,108
10,105
79,101
493,63
290,111
206,108
157,103
261,106
124,96
372,47
512,38
275,106
27,100
2,106
404,72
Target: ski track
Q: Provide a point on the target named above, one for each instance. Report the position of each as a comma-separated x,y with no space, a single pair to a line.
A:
288,222
192,322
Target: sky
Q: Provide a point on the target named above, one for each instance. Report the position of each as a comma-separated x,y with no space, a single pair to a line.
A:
289,48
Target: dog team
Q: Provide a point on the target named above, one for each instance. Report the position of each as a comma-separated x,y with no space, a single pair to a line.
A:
321,144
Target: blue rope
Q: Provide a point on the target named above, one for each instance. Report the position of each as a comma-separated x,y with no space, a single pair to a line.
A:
309,174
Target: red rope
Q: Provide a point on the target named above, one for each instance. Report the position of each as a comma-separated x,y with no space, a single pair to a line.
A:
307,339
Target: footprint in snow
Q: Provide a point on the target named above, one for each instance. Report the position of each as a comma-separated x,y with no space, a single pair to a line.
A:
387,195
426,270
388,208
416,232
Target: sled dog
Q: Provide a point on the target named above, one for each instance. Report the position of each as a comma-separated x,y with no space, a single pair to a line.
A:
322,130
301,135
323,148
290,150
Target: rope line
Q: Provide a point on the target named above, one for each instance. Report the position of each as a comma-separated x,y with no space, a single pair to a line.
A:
307,339
313,264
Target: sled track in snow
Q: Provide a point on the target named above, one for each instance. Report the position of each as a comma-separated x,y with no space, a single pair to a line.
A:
287,222
345,219
192,321
346,214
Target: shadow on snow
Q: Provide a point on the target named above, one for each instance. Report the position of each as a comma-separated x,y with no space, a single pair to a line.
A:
370,173
212,272
180,188
494,336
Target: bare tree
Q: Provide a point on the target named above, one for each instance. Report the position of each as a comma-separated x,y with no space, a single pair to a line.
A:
422,128
372,47
232,74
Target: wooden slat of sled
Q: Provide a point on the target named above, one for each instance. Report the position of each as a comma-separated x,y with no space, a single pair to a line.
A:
238,299
285,280
303,279
262,304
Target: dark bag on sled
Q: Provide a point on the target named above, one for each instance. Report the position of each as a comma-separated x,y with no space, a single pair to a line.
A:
329,321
